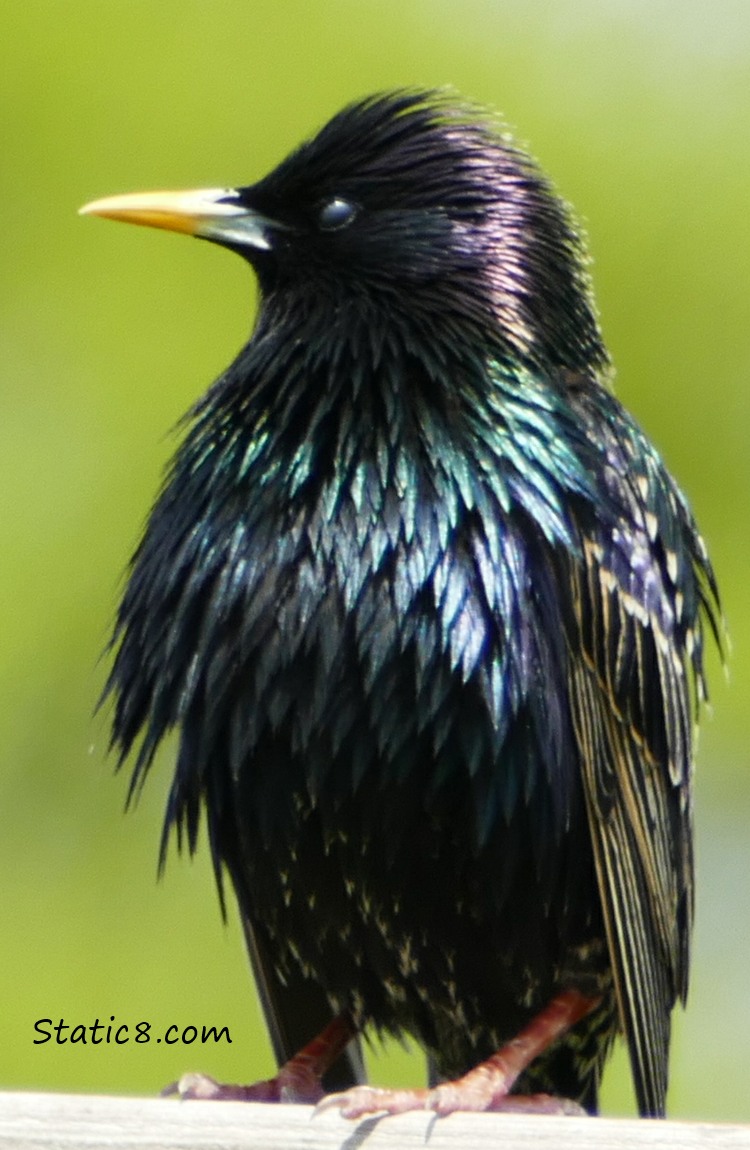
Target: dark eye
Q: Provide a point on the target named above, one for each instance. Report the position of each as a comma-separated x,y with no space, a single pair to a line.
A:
336,213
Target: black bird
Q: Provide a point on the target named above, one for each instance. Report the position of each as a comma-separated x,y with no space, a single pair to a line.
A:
427,610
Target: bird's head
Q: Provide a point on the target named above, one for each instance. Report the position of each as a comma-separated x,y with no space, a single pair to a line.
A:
411,207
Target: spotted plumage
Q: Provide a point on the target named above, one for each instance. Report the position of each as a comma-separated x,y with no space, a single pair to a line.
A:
427,611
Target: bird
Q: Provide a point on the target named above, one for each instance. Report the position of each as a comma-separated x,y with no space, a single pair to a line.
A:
427,612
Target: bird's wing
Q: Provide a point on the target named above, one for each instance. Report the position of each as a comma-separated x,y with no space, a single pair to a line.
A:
296,1011
640,825
639,586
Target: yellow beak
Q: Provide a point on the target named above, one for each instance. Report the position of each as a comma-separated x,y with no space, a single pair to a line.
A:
210,213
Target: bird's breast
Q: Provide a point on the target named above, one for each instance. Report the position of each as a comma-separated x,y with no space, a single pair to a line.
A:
378,697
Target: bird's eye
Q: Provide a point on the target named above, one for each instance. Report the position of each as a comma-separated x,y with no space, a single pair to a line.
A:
336,213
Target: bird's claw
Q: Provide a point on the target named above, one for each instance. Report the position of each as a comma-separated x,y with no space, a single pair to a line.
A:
447,1098
201,1087
362,1100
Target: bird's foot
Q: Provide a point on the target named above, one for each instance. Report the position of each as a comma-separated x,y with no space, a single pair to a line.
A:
488,1085
289,1085
447,1098
298,1080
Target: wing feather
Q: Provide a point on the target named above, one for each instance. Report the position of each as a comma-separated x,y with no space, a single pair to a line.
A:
640,587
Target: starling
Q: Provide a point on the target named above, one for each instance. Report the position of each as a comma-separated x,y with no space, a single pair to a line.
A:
427,610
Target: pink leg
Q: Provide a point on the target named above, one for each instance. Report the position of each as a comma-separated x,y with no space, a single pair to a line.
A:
298,1080
488,1085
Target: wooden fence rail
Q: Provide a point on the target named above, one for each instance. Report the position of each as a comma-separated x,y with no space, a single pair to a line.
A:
81,1122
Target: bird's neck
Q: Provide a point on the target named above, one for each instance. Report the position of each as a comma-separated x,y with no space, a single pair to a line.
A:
307,395
300,423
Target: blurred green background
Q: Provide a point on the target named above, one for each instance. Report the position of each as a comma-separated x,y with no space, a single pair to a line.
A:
641,114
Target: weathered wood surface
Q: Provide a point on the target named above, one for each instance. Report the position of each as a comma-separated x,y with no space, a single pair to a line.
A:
83,1122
